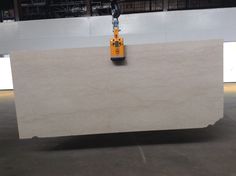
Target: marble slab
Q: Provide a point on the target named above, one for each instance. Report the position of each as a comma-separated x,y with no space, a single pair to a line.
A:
80,91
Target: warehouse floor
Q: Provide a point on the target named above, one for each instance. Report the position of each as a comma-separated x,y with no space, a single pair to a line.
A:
200,152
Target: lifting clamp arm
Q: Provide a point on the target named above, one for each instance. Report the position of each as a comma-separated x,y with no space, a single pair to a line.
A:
116,43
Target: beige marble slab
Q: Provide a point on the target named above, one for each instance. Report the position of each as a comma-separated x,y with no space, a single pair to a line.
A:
80,91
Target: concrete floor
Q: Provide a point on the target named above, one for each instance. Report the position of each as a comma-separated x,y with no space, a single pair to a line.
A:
200,152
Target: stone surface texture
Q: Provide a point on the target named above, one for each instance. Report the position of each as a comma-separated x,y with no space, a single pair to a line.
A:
80,91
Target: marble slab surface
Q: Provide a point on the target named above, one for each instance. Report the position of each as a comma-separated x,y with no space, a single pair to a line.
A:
80,91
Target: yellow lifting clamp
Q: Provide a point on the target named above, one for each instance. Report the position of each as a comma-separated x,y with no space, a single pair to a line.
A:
117,48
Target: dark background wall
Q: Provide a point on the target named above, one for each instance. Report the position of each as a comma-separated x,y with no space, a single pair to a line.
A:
6,4
44,9
6,9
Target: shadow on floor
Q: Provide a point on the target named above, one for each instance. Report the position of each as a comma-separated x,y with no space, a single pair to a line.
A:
216,132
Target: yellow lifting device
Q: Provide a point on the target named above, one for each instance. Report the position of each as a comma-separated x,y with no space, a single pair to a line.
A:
117,47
